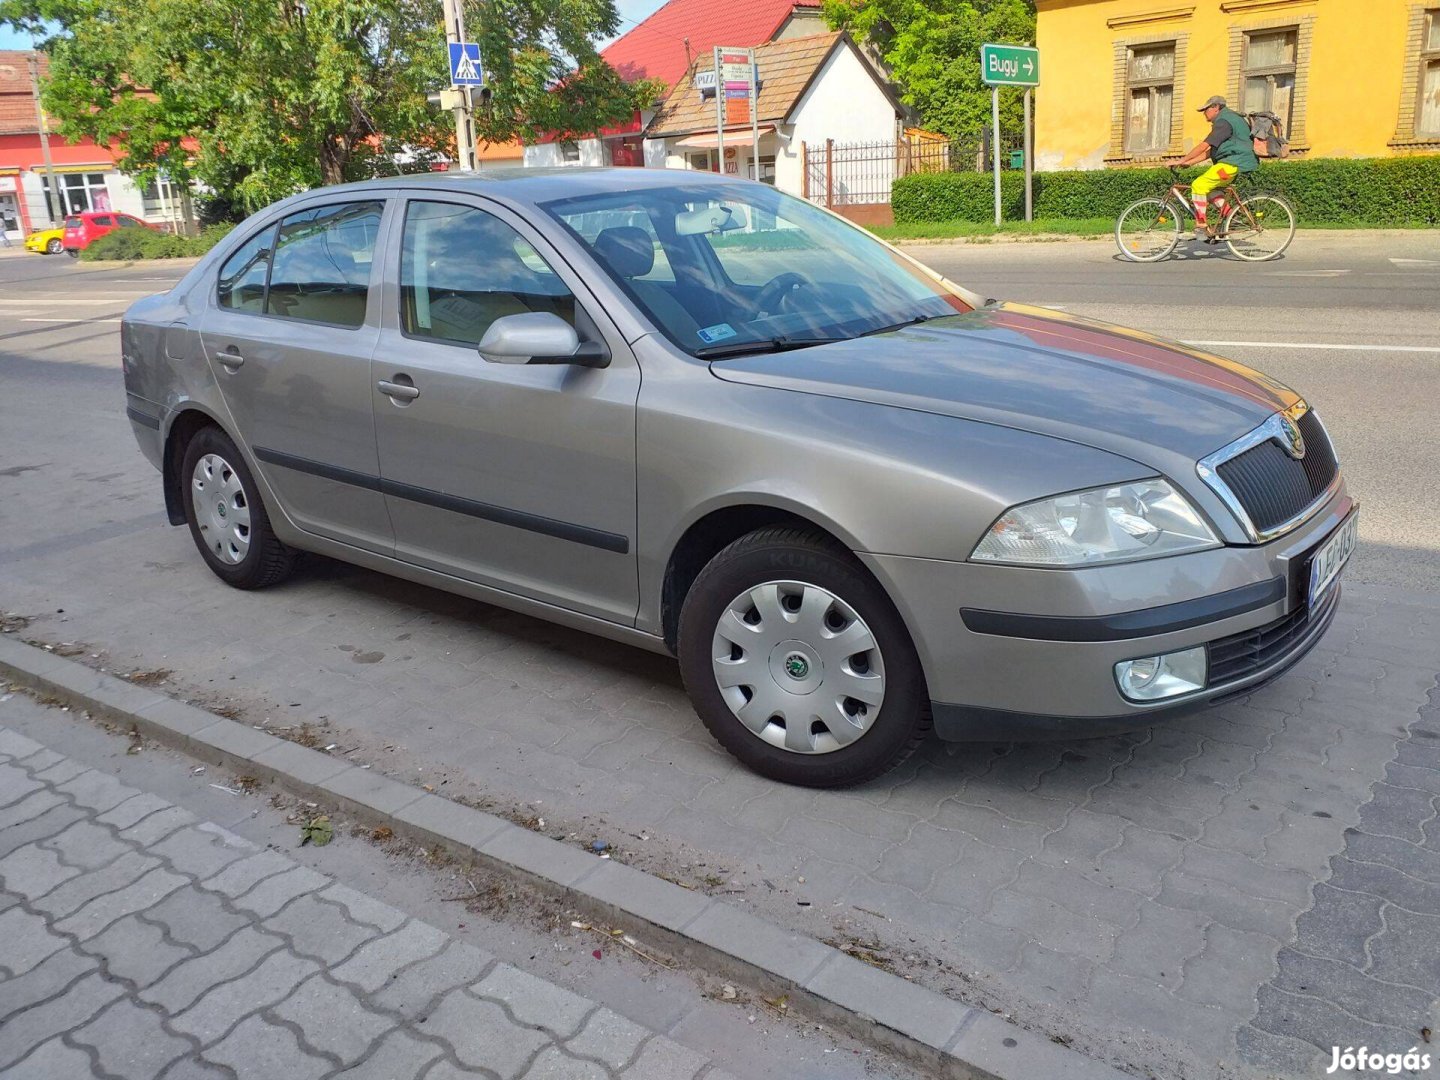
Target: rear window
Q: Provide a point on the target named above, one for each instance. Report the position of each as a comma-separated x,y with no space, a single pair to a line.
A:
72,223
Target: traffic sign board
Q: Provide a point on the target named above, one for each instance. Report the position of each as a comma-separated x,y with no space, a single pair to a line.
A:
1010,65
465,69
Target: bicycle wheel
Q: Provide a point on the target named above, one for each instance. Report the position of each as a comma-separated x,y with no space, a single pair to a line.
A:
1260,228
1148,230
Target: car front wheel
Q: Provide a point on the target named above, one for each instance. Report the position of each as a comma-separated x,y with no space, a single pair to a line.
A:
54,247
227,517
799,664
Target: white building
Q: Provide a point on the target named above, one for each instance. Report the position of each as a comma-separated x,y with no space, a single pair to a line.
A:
812,90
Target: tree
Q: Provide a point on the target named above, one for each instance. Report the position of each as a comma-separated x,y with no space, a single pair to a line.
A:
932,48
262,98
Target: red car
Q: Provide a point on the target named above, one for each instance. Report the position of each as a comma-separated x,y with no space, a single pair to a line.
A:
82,229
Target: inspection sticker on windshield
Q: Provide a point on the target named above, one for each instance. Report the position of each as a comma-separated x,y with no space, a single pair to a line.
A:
718,332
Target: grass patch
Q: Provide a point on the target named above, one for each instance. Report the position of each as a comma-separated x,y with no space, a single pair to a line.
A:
946,230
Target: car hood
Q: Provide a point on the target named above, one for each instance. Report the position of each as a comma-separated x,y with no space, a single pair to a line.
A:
1039,370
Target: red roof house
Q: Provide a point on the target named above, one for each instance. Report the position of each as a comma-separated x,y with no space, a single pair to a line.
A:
664,45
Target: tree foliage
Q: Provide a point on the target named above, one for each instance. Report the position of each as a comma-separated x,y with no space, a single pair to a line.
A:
262,98
932,48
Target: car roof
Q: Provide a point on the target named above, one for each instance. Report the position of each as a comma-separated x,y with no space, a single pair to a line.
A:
538,185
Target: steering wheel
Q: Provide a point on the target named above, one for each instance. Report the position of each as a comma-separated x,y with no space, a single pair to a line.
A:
775,293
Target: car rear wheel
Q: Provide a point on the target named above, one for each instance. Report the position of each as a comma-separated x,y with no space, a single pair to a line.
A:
227,517
799,664
74,253
54,247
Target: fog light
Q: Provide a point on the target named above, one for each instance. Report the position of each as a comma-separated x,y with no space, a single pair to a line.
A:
1152,678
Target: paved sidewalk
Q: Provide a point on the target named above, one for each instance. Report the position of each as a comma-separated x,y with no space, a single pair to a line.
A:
139,942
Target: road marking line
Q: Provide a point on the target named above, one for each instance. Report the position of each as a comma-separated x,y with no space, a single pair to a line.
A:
1415,262
77,322
1313,345
1309,273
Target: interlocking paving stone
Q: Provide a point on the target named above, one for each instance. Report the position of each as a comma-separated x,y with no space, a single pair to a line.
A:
1361,968
136,950
320,930
377,962
398,1056
25,940
223,1006
333,1018
24,1031
53,1061
263,969
131,1041
258,1050
608,1037
47,979
533,1001
483,1036
195,917
414,990
34,871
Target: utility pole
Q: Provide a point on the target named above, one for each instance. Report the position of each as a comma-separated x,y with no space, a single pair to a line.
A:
464,129
53,206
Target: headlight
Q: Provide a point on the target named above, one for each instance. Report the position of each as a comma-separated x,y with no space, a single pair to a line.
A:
1144,520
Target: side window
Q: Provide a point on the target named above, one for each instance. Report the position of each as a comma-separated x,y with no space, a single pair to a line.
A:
241,286
461,269
321,268
128,223
104,219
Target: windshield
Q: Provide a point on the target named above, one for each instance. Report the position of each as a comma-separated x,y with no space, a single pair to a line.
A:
725,269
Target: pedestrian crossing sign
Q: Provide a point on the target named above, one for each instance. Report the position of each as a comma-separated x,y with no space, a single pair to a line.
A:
465,67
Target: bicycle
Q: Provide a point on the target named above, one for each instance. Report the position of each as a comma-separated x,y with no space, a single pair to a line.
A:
1256,229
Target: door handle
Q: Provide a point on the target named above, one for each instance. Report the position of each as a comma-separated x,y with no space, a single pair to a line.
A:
230,358
398,391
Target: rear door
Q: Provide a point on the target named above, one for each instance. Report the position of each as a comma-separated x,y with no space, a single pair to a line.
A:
520,477
289,334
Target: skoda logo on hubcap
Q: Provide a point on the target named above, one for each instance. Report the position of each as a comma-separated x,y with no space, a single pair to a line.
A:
220,509
796,666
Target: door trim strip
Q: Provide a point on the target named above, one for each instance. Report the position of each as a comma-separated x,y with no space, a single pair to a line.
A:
501,515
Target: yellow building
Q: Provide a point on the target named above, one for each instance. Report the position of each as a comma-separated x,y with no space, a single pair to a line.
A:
1122,79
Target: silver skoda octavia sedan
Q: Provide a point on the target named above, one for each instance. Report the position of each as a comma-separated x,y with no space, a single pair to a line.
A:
858,502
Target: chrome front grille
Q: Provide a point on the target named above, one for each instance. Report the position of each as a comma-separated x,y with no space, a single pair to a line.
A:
1268,487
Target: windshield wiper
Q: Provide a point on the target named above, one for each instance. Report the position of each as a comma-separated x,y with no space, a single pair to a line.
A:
897,326
768,345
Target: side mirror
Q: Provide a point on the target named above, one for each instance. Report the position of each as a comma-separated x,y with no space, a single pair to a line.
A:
539,337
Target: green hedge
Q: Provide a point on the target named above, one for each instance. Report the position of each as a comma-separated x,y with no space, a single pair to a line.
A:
130,244
1327,191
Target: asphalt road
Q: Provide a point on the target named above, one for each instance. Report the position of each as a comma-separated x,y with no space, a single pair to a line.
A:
1179,901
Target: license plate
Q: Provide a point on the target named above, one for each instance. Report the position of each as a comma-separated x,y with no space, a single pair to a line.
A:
1330,557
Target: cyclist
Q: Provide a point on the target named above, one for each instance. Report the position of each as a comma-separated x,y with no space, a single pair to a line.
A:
1231,150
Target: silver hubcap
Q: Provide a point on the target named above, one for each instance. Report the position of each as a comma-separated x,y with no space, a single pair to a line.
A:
798,667
222,508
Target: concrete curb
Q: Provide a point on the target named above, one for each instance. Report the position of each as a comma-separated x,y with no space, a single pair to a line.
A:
946,1037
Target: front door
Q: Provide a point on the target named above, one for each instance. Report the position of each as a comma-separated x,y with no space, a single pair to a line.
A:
289,336
518,477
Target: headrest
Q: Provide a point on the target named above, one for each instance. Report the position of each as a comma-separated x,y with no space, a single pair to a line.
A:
627,249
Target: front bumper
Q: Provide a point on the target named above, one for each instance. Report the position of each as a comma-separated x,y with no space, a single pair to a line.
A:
1034,651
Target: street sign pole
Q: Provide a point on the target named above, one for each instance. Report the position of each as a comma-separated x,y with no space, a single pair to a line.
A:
54,202
754,117
1029,164
464,132
995,142
719,116
1010,65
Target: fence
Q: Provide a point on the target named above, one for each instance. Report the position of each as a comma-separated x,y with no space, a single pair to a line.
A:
855,179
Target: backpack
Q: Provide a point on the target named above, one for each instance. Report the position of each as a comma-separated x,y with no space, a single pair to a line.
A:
1268,133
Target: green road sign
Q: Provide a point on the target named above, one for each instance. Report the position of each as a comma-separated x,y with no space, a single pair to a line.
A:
1010,65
